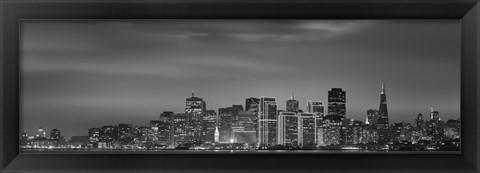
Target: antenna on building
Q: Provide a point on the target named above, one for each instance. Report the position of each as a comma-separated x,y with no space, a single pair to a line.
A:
193,93
383,86
293,98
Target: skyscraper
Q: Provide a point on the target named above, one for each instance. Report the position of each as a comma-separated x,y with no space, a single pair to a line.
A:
23,139
109,132
94,134
372,117
166,116
55,134
336,105
353,131
267,120
315,107
125,132
292,104
195,104
246,119
419,122
180,131
163,131
434,115
41,132
383,111
251,104
209,125
235,110
383,124
225,120
288,129
435,128
452,129
307,126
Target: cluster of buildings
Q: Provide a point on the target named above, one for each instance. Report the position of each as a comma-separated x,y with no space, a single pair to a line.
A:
261,126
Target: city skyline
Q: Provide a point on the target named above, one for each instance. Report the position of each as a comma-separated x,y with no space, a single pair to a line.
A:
92,73
217,112
263,128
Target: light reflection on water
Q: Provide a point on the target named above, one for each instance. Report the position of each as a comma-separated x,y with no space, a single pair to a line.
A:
140,151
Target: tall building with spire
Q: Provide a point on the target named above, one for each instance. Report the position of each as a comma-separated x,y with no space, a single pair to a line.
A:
383,111
382,123
292,104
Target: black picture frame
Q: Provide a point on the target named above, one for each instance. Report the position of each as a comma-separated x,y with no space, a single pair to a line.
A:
12,11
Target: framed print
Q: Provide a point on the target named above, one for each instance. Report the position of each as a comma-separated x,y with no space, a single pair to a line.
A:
72,88
185,86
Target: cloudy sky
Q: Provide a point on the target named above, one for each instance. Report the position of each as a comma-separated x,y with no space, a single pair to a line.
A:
83,74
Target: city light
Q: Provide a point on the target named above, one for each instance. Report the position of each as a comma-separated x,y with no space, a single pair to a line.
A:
261,126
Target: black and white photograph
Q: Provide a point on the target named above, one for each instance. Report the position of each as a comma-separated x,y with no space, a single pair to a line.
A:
243,85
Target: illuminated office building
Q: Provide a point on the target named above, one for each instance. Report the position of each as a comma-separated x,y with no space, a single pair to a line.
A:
125,133
267,120
248,137
166,116
23,139
288,129
94,134
180,131
194,109
419,121
235,109
353,131
227,119
125,128
307,132
163,131
434,115
292,104
109,133
372,117
435,125
336,105
55,134
332,133
315,107
195,105
41,132
369,135
251,104
246,119
452,129
209,125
